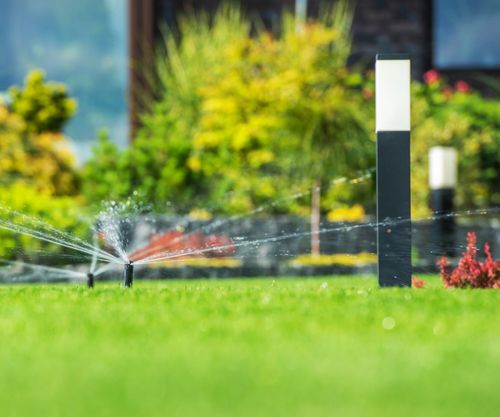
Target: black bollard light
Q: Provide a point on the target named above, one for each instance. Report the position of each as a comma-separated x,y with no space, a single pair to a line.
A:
128,274
392,89
442,183
90,280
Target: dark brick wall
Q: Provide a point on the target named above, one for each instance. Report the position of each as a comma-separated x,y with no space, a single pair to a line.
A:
393,26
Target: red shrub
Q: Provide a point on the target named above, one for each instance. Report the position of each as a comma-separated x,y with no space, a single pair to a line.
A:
186,245
417,282
471,273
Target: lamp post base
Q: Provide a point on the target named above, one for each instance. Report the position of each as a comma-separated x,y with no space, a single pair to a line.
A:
393,209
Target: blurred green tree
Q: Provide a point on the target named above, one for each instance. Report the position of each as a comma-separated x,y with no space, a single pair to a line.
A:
241,121
43,106
32,148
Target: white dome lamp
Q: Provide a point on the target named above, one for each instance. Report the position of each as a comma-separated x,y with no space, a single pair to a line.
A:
442,183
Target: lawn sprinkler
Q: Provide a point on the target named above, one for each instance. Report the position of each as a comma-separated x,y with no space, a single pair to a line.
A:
90,280
128,274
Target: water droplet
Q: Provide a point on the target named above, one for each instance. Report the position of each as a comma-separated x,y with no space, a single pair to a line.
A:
266,298
388,323
437,329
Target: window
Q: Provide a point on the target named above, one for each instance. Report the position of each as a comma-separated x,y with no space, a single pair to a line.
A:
466,34
81,43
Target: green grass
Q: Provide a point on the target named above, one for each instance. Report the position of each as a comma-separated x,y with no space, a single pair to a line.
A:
285,347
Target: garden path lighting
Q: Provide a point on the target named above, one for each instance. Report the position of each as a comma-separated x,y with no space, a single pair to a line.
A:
442,183
392,99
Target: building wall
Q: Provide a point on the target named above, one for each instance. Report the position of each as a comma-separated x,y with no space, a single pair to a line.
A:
393,26
379,25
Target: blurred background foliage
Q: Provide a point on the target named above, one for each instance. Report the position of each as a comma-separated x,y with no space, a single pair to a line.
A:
26,206
32,148
244,117
38,173
456,116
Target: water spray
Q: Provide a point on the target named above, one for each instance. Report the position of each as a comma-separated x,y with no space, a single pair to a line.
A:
128,274
90,280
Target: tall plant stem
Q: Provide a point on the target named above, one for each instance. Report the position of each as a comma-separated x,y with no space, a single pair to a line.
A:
315,217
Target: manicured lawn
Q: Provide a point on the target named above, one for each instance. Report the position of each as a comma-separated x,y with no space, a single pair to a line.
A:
285,347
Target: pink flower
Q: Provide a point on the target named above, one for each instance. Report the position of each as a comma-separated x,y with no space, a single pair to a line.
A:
432,77
462,87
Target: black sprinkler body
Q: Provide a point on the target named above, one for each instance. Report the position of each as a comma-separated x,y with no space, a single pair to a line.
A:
128,275
90,280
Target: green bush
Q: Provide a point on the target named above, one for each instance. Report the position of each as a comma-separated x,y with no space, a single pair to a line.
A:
460,118
25,206
44,106
37,168
243,120
32,148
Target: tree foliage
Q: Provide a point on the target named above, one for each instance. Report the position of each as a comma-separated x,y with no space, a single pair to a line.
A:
247,117
244,120
32,149
43,106
458,117
24,205
37,167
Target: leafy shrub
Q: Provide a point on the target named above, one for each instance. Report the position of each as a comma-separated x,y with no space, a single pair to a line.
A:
32,149
156,164
251,129
23,205
37,167
355,213
186,245
344,259
417,282
43,161
242,121
44,106
456,116
471,273
286,113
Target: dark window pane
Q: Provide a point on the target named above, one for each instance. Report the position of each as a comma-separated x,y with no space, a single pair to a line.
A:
467,34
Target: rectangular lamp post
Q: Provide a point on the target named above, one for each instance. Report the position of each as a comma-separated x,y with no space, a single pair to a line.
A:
392,100
442,183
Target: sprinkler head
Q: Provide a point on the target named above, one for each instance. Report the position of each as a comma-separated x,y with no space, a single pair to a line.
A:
128,274
90,280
